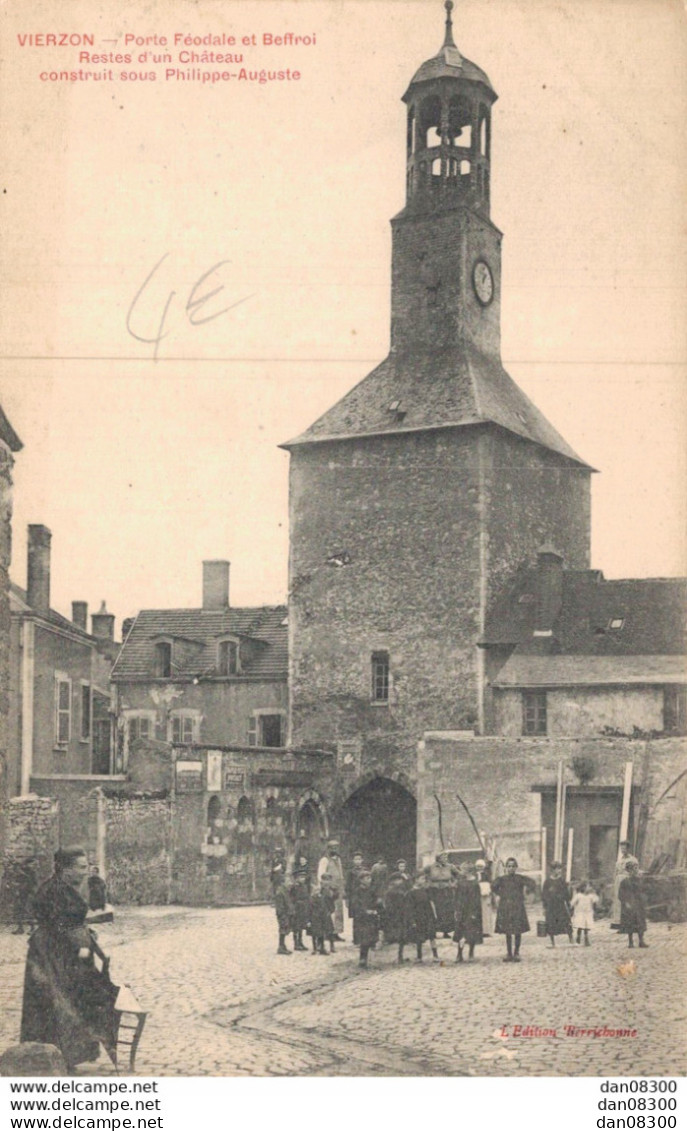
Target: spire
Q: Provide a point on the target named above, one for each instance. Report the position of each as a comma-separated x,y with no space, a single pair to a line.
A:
448,38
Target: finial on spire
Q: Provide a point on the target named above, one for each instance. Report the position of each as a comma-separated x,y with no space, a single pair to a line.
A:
448,38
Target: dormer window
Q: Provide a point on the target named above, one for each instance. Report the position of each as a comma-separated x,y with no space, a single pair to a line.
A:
228,657
163,659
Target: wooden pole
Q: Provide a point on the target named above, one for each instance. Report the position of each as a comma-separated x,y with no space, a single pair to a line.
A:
543,852
569,859
561,832
625,813
557,822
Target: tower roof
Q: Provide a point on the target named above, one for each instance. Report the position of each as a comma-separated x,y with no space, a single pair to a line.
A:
448,388
449,63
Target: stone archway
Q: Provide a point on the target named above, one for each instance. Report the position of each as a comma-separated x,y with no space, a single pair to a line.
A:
379,819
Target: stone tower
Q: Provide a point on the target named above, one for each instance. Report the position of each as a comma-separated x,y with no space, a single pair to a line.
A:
415,498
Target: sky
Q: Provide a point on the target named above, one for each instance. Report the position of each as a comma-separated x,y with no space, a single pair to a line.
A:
121,197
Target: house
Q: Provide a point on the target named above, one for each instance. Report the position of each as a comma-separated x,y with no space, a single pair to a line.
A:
214,675
59,705
10,444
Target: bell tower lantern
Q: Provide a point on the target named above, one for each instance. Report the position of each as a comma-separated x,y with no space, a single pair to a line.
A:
449,104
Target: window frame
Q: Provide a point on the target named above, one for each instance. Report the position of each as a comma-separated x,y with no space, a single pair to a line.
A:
378,658
182,718
62,680
228,643
87,715
535,714
255,733
159,645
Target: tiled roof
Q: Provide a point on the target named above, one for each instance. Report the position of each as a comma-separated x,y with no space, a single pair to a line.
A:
198,631
652,611
442,389
590,671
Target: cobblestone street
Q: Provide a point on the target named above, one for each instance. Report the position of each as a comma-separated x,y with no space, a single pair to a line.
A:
222,1002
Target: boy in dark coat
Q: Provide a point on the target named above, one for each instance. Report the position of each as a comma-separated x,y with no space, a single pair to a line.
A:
394,902
556,897
284,911
367,909
300,903
97,891
511,917
322,904
468,910
632,906
419,920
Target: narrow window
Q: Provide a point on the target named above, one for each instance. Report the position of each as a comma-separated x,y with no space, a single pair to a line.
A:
534,712
436,167
163,659
228,657
465,168
433,137
139,727
380,677
63,710
270,730
85,712
675,710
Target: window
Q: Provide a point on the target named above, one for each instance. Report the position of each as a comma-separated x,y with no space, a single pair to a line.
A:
163,659
266,728
63,709
616,623
227,657
534,712
675,710
380,677
139,727
184,729
85,712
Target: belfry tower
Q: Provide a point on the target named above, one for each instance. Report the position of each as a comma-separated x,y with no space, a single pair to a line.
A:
415,498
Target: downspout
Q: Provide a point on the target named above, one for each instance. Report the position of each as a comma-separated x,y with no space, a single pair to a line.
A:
28,630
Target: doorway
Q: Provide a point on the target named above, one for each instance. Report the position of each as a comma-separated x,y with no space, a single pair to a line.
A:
380,820
603,851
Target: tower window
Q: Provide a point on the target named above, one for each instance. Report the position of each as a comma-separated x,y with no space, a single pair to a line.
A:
411,131
465,168
380,677
534,720
163,659
464,137
436,167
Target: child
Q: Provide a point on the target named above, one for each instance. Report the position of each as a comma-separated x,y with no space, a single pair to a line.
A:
366,922
419,920
632,906
511,916
394,901
284,909
321,922
468,911
584,901
352,889
300,900
555,895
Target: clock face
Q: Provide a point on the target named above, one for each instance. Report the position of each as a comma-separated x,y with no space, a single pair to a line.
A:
483,282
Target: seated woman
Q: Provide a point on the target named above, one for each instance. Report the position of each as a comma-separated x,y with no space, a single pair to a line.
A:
68,1001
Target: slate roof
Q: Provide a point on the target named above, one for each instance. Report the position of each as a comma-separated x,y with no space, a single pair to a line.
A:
19,604
448,388
448,63
199,631
652,611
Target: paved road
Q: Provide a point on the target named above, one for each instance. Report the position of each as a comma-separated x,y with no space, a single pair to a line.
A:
222,1002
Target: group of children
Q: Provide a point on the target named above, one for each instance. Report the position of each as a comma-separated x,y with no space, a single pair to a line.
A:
414,910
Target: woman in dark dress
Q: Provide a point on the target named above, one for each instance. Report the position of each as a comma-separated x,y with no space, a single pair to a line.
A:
419,920
468,911
68,1001
556,896
394,902
511,916
441,878
632,906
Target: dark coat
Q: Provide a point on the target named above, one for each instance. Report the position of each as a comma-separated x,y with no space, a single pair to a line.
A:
511,917
419,916
284,909
394,903
68,1001
380,878
321,910
468,911
441,879
300,902
556,896
632,906
366,922
97,893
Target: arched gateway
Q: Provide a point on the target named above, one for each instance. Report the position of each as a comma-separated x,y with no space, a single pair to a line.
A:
379,819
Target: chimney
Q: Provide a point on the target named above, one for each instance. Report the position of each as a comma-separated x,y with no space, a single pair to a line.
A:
80,615
38,569
549,590
215,586
102,624
127,625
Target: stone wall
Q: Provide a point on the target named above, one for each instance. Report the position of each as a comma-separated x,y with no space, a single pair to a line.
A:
138,850
32,831
494,777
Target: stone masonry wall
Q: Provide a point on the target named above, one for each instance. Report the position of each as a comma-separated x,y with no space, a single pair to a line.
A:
32,831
